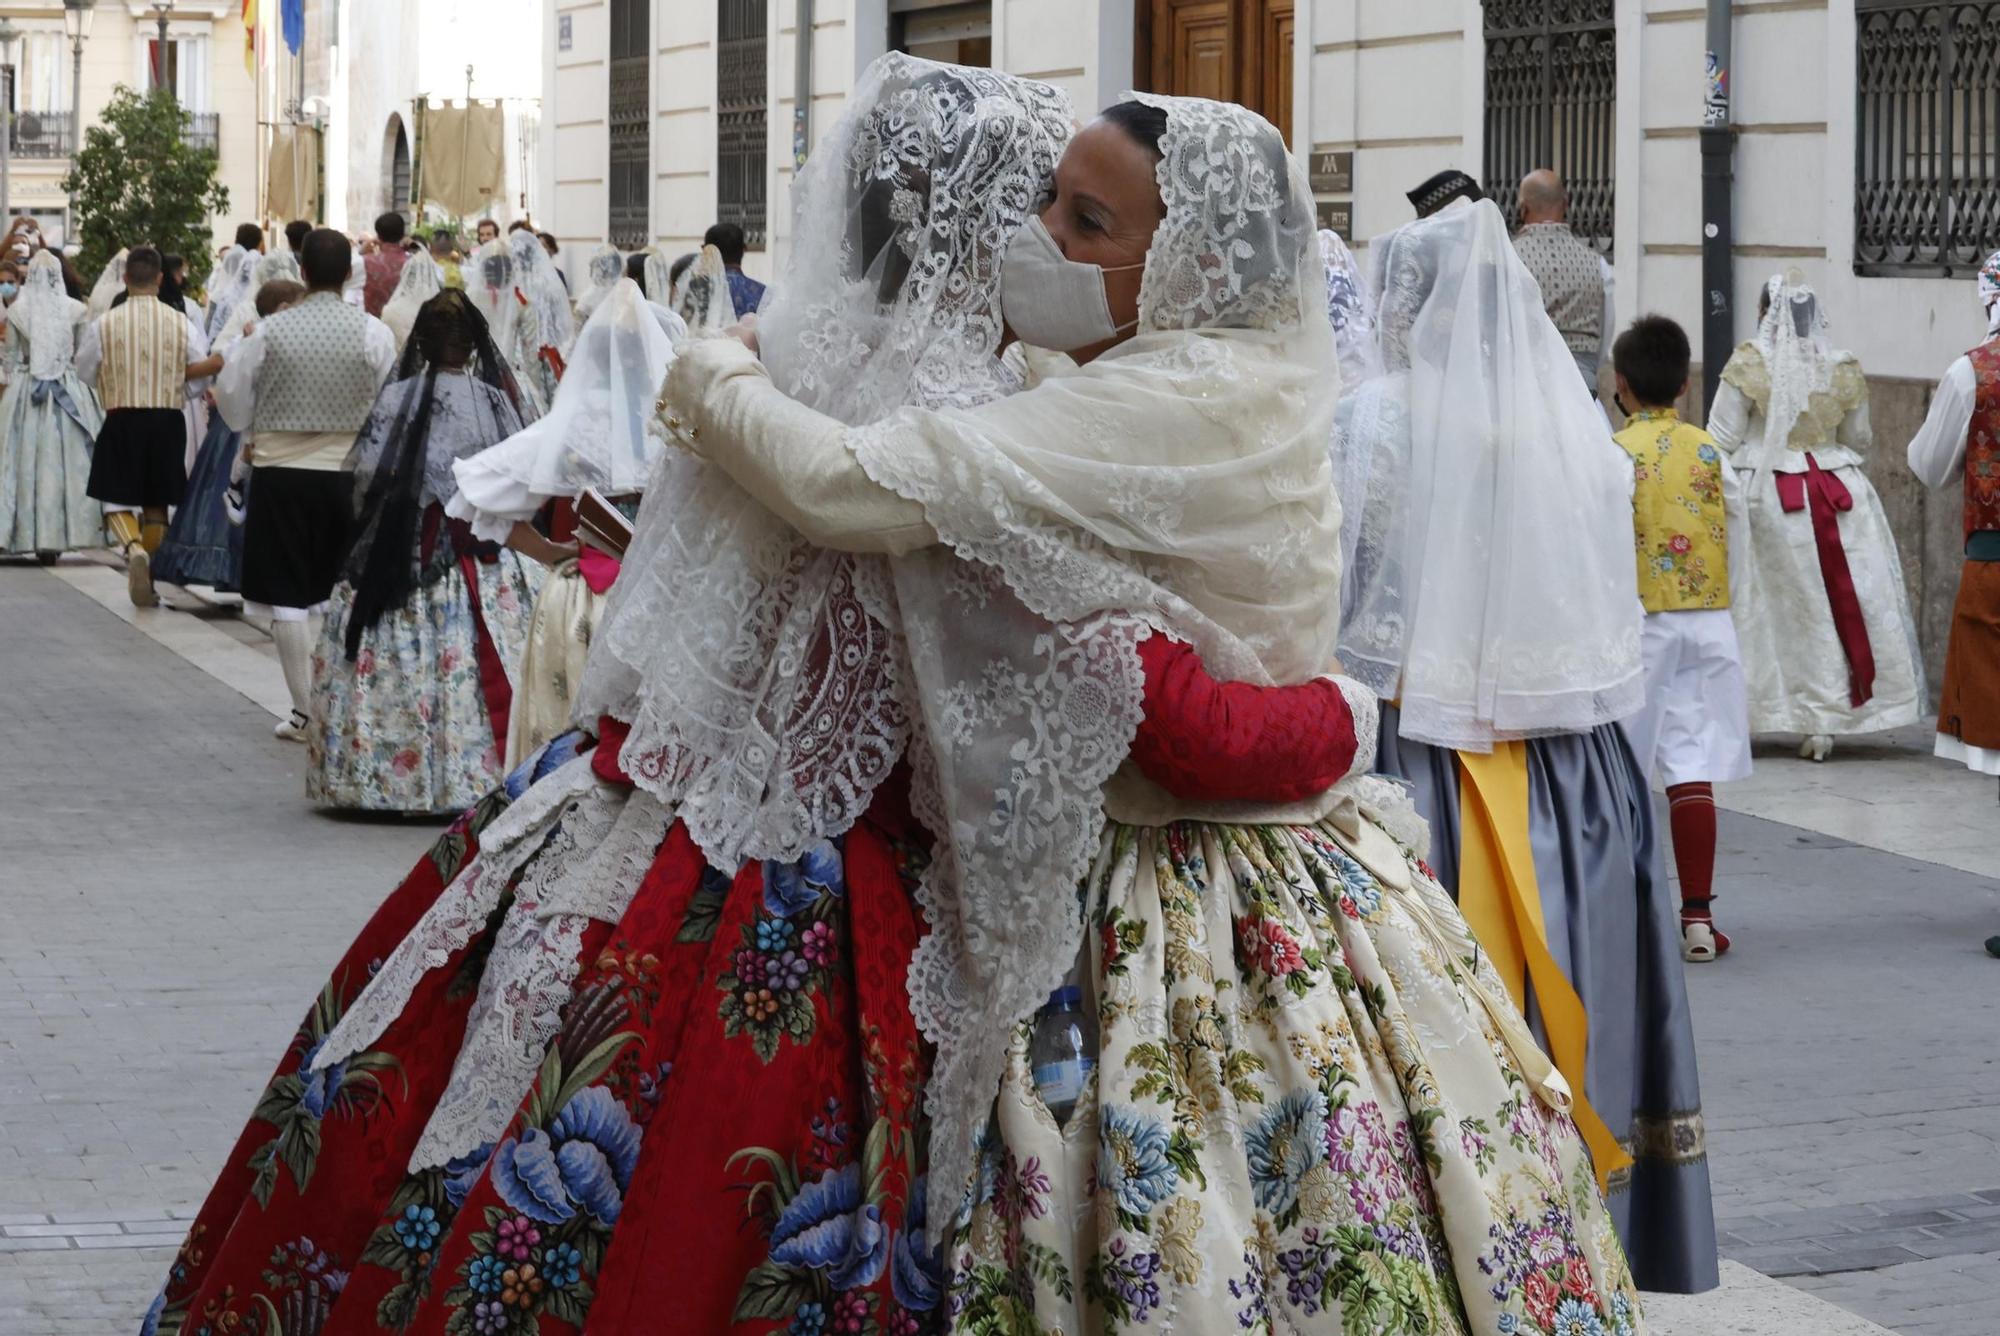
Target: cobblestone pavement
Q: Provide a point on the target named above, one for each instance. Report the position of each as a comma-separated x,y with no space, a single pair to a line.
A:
170,901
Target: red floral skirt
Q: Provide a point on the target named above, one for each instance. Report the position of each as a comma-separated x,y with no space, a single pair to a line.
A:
726,1134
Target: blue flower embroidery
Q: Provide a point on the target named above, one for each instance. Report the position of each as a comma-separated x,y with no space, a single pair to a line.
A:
484,1275
1284,1146
829,1228
792,888
916,1275
417,1228
584,1161
1575,1318
1132,1163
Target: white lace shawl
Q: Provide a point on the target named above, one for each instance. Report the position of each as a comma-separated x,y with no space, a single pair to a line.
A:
231,280
1494,589
420,281
759,683
110,282
607,266
548,319
701,298
1800,365
46,318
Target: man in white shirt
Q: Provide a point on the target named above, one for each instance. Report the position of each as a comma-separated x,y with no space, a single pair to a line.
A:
303,382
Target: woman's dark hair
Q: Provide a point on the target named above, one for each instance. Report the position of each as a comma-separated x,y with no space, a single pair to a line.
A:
635,269
72,281
1146,124
449,333
249,236
679,267
1653,356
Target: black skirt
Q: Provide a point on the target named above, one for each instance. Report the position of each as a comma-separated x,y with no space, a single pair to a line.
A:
295,536
140,458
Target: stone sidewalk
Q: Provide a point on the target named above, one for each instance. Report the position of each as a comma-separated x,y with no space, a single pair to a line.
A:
173,898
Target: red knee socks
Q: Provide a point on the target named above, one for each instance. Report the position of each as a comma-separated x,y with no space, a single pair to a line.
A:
1691,810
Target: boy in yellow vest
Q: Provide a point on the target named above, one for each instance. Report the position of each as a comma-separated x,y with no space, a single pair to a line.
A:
1694,731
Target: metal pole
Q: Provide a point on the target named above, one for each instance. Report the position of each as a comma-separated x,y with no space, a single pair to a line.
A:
75,133
802,86
7,143
1718,149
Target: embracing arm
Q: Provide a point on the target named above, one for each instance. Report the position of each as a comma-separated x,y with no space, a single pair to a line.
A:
793,459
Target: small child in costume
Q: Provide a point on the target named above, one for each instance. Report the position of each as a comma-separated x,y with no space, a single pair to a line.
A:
1694,731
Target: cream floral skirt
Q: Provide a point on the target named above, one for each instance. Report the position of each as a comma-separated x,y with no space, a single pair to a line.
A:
1315,1111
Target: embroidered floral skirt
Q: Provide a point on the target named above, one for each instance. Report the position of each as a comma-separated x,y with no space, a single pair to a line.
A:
320,1150
1305,1119
44,468
720,1132
408,725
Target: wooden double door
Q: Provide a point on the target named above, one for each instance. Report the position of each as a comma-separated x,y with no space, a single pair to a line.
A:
1232,50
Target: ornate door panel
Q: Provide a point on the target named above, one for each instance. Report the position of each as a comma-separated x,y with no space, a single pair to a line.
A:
1234,50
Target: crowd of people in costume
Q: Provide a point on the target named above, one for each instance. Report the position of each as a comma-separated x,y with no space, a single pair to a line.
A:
1077,586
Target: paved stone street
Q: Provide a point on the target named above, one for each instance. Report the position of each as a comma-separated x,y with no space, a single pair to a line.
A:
170,902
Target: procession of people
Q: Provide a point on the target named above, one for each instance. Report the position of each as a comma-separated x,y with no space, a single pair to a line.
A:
1085,759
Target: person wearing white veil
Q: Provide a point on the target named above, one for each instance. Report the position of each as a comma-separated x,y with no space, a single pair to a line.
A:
546,325
1261,969
595,436
1350,306
110,282
420,280
233,277
1829,645
48,420
606,267
1494,597
1960,440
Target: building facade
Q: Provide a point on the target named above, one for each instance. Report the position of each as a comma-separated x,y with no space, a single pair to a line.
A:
1867,140
364,72
205,66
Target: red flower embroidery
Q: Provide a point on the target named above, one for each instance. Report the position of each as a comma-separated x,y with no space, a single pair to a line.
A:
1266,945
1679,544
1542,1293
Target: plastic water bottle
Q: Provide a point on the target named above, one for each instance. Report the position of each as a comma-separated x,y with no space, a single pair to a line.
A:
1062,1051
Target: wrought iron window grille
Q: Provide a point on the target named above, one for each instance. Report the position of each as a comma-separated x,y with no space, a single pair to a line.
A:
742,101
1552,101
630,118
1927,137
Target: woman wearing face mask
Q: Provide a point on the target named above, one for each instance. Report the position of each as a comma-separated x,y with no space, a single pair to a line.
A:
1314,1105
48,419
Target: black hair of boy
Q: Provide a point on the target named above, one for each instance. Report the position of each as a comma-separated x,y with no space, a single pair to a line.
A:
142,267
1653,356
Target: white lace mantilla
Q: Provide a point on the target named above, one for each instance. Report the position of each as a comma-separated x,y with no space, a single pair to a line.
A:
589,869
460,912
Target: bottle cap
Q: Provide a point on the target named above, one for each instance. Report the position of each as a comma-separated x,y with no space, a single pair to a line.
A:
1069,995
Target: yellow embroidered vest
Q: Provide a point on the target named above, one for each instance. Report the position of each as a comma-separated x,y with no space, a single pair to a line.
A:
1679,525
145,346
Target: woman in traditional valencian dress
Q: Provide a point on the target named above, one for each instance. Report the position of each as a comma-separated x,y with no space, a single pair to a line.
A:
48,419
1829,646
1492,594
606,267
413,672
1315,1107
203,546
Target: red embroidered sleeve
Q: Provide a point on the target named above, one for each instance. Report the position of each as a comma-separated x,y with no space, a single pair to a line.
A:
1209,741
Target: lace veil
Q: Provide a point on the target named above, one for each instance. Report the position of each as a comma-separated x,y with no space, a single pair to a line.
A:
659,278
420,281
702,298
1494,587
607,266
244,310
47,317
759,680
1797,360
1350,305
231,281
109,284
596,433
547,315
492,286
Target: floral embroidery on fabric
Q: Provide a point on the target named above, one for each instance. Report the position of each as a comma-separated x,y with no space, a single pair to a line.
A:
789,947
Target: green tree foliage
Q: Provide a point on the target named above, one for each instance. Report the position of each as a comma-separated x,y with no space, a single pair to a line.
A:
138,181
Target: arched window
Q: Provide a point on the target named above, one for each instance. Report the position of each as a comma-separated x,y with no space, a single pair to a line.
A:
398,152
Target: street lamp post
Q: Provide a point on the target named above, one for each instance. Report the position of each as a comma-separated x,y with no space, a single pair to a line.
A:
160,12
9,34
77,17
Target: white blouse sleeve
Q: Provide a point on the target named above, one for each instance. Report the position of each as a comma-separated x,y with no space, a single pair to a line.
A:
1729,419
1937,451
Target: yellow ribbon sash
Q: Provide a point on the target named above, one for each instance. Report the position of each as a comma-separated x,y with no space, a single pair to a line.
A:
1501,899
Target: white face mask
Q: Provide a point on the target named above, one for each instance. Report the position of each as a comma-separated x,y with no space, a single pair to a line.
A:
1053,302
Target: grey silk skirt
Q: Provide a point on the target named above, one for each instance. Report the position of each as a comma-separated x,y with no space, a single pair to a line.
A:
1614,929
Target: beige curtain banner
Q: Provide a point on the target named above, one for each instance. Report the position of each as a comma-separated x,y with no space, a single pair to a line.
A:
291,183
465,158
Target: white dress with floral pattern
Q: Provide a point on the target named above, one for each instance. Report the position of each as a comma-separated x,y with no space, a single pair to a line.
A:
1304,1119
